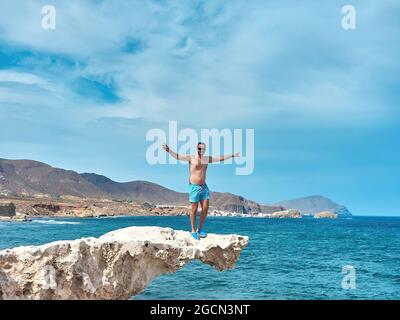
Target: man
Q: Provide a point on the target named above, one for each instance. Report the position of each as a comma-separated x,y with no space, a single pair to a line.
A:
198,190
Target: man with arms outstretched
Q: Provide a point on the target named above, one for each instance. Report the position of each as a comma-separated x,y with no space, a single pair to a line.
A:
198,190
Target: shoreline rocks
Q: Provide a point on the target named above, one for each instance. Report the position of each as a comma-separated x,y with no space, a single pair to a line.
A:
325,215
291,213
7,209
117,265
16,218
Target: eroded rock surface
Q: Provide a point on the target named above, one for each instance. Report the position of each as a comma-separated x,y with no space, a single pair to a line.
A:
117,265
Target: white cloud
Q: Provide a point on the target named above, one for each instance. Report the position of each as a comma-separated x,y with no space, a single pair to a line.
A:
19,77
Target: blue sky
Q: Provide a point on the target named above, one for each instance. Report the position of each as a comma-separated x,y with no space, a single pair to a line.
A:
323,101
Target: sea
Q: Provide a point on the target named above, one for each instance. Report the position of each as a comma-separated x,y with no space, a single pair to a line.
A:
318,259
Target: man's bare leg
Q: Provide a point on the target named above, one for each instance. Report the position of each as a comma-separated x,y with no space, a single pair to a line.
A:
193,213
204,210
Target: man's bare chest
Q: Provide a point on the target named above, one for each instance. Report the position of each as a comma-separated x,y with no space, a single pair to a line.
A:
198,166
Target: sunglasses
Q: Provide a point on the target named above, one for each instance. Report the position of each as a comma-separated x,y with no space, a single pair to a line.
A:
201,149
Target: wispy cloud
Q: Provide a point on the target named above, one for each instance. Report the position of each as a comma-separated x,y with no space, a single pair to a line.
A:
155,59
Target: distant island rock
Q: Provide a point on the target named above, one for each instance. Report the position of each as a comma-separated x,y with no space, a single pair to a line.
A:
117,265
315,204
325,215
286,214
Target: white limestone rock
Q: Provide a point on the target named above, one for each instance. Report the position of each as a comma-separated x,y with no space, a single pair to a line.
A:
117,265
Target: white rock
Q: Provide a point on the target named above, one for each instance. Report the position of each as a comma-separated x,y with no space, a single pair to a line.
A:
118,265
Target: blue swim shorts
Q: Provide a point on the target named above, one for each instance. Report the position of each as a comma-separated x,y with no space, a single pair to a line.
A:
198,192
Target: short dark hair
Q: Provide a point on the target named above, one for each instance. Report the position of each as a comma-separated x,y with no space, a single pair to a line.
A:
201,143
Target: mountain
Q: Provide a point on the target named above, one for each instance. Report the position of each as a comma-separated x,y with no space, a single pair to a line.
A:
33,178
315,204
145,191
37,179
142,191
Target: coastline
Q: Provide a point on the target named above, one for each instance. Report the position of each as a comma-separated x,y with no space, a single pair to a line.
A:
74,207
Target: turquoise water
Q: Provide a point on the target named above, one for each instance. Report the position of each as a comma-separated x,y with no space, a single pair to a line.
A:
285,259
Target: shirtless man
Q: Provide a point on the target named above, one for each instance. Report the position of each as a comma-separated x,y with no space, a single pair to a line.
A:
198,190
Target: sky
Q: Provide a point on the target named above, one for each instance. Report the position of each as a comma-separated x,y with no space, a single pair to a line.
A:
323,101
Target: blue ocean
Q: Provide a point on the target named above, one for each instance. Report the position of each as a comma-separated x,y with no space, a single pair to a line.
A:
285,259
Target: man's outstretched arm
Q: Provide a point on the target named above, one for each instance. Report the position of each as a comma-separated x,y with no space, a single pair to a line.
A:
175,155
224,157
